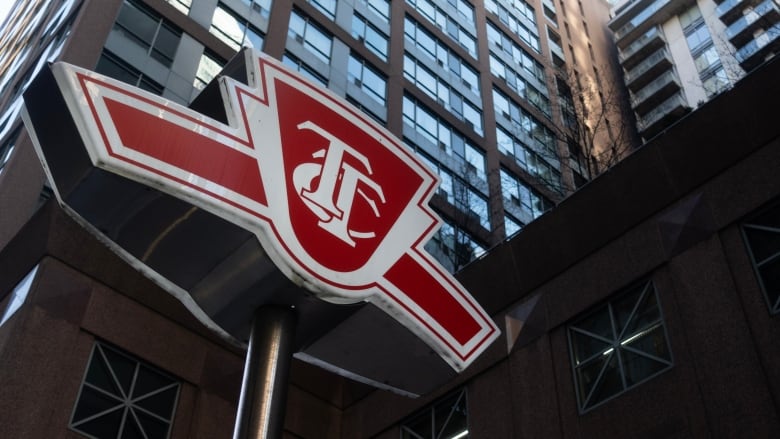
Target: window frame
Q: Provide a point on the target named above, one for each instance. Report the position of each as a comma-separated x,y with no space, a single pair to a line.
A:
773,308
618,343
127,404
431,411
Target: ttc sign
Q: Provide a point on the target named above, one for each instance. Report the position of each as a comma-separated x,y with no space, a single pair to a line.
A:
338,204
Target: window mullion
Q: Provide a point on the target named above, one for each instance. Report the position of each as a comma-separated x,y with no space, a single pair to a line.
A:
633,313
598,379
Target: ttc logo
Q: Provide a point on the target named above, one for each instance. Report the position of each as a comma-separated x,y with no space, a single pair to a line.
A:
335,217
338,204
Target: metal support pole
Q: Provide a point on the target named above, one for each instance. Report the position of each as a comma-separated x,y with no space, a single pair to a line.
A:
261,407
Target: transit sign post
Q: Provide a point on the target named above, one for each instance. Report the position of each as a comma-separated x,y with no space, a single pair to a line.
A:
337,203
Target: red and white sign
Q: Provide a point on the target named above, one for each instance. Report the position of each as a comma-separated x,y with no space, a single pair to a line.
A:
337,202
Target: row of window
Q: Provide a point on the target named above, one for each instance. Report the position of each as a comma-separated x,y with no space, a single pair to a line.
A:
311,36
449,25
523,197
61,24
520,85
521,7
374,39
439,133
459,193
527,35
523,59
705,56
236,31
367,78
439,90
528,159
441,54
526,123
453,246
328,7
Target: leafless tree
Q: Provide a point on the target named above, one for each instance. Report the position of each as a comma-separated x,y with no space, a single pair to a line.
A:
597,122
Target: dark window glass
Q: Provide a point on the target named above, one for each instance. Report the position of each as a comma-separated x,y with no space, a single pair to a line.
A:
618,345
447,418
121,397
150,31
762,234
112,66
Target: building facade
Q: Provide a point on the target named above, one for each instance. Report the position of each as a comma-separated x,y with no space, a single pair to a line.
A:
676,55
653,314
643,305
479,90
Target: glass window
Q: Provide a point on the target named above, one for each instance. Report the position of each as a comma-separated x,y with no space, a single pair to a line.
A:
522,59
511,225
313,39
441,134
235,30
209,66
762,235
455,188
527,34
367,78
690,17
526,123
441,55
155,34
706,59
521,196
300,66
123,397
327,7
698,37
446,418
114,67
182,5
716,82
380,7
261,6
371,37
357,104
440,90
619,345
445,21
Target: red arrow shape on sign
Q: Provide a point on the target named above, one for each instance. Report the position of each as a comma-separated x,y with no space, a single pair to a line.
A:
339,204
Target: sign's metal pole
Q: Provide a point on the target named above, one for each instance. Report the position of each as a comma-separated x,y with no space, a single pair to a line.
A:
261,406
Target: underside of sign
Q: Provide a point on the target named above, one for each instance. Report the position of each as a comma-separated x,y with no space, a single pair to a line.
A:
267,190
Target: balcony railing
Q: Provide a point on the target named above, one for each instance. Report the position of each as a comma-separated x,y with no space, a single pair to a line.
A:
727,9
667,107
640,18
635,47
743,24
748,50
649,62
653,87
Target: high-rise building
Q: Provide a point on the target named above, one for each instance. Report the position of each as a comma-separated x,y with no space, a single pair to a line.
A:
679,54
644,305
479,90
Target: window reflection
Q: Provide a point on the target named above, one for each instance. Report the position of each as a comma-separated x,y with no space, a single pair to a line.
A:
234,30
